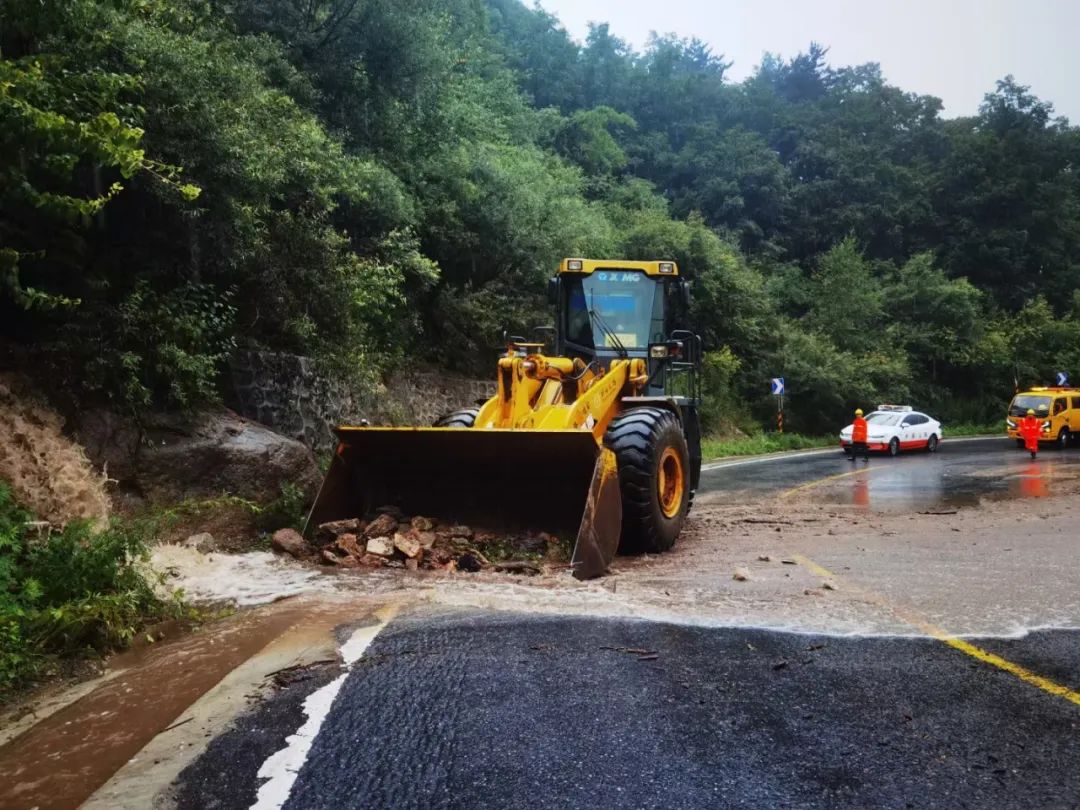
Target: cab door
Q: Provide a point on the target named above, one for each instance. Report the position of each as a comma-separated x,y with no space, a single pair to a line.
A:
1060,416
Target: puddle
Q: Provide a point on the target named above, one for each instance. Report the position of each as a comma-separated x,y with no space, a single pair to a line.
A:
916,484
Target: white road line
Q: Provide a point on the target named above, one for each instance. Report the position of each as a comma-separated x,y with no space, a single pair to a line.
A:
280,769
719,465
716,465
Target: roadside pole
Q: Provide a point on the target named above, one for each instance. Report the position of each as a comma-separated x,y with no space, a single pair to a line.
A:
778,392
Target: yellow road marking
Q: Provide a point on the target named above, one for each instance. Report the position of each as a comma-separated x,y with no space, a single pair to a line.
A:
803,487
916,621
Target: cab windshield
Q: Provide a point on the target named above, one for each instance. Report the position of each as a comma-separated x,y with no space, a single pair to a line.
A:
1036,402
609,308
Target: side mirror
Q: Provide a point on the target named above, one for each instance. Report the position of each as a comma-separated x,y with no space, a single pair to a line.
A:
666,350
553,291
684,292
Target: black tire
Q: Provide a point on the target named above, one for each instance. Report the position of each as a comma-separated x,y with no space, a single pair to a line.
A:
465,418
1063,439
641,439
894,446
932,443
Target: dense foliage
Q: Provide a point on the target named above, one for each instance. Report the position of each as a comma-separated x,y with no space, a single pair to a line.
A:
382,181
66,592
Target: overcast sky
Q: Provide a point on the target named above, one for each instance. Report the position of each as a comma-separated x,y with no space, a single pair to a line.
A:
952,49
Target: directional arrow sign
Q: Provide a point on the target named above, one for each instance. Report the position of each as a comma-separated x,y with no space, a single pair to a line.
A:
778,386
1062,378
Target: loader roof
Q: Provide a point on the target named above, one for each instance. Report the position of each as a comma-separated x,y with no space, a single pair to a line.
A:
655,268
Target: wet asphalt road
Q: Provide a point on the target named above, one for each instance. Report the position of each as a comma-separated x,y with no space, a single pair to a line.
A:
473,710
960,473
495,710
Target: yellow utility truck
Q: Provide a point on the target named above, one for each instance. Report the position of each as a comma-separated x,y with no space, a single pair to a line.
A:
598,439
1058,408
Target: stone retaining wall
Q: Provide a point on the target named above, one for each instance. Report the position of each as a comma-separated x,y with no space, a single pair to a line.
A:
286,393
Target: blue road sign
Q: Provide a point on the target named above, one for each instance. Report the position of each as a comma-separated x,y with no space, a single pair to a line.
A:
778,386
1063,378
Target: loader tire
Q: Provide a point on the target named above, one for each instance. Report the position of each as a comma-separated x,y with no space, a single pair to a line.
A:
654,478
465,418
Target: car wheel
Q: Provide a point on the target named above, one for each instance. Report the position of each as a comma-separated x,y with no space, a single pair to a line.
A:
931,444
1063,439
894,446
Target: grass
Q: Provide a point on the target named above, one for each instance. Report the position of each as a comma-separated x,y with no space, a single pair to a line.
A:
994,429
724,447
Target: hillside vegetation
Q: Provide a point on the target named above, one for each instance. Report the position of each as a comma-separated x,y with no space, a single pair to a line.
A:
375,182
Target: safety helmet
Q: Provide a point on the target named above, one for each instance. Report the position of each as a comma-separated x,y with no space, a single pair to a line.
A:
1031,412
858,411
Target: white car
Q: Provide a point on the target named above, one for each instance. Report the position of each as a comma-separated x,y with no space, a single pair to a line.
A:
892,428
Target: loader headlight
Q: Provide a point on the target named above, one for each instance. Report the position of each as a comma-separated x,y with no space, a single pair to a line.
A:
658,352
667,267
573,264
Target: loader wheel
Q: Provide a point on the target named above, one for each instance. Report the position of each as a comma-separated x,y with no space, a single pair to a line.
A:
465,418
654,477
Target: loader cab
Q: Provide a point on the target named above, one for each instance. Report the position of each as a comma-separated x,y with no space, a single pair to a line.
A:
612,308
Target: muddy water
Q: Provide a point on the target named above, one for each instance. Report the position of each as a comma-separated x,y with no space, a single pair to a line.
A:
62,760
962,473
900,487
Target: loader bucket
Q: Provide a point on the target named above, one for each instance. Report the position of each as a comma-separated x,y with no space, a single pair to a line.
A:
558,481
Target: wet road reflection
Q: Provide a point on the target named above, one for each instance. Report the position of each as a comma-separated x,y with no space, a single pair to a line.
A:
961,473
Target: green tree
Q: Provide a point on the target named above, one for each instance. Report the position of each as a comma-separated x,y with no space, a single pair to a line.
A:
847,300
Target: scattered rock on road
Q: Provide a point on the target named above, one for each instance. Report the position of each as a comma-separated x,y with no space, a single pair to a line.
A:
289,541
741,575
383,526
421,543
349,544
407,543
382,546
328,533
203,542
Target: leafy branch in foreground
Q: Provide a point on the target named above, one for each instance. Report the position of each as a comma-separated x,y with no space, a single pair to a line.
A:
71,592
61,137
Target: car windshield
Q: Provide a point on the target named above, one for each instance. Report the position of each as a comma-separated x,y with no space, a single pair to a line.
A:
1039,403
881,418
624,306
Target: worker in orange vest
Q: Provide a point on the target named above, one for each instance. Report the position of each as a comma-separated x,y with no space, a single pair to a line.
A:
858,438
1029,429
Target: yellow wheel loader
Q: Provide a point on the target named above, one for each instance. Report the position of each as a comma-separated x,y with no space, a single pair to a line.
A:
599,440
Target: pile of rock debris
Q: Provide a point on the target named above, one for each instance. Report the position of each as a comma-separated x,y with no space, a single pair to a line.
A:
393,540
